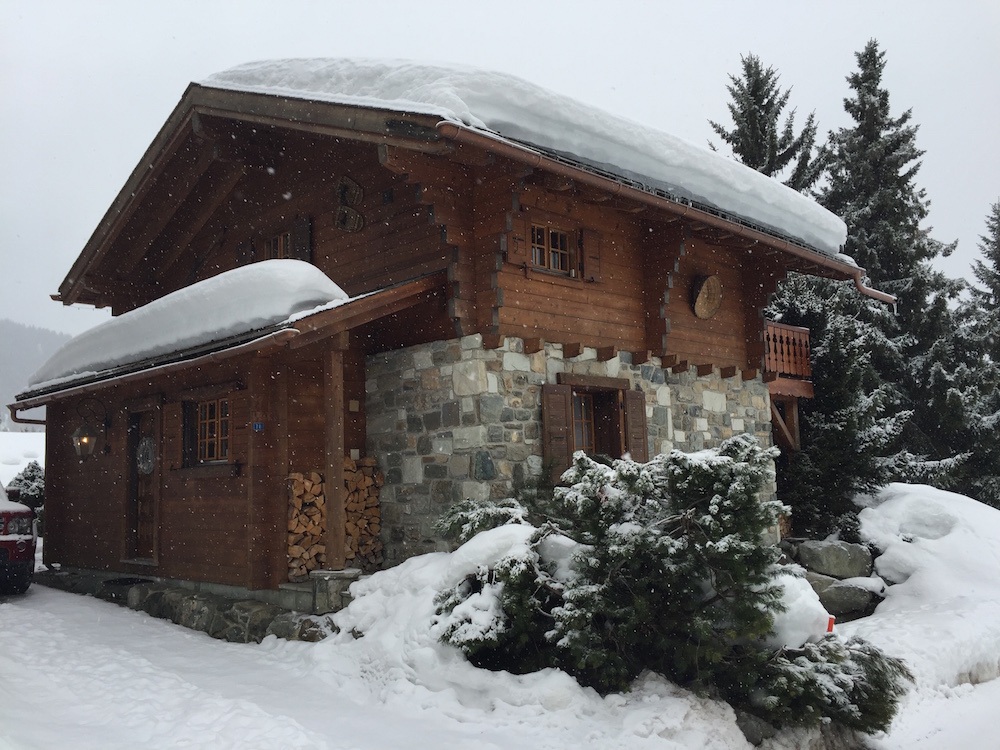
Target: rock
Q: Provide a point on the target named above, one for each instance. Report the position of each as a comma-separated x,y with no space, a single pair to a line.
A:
755,729
819,582
294,626
840,598
837,559
483,468
244,621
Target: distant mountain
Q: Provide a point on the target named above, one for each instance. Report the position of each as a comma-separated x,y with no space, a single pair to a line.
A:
23,349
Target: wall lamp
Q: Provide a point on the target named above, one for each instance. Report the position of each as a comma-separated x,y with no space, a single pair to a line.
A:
85,436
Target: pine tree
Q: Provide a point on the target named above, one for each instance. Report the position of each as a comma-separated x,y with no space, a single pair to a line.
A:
979,395
757,138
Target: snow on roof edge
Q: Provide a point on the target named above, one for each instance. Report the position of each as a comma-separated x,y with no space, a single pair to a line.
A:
503,105
237,302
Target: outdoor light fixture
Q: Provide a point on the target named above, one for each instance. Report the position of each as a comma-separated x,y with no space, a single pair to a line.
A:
85,436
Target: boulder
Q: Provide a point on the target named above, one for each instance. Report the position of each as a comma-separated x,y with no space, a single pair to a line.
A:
243,621
836,559
840,598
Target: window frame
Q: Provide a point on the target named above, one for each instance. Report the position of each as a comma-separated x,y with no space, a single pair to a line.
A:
550,252
559,423
213,433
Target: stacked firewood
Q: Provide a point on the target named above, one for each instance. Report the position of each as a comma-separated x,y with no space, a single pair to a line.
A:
306,525
363,480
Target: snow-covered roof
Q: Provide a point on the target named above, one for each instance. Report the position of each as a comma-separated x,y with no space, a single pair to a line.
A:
250,298
507,107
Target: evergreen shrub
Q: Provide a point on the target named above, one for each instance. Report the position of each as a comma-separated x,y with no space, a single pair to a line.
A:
658,566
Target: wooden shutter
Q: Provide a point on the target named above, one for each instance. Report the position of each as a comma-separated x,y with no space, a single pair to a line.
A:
557,427
173,435
591,252
301,239
636,436
518,238
244,253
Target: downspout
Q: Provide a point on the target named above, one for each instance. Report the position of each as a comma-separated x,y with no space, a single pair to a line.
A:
467,136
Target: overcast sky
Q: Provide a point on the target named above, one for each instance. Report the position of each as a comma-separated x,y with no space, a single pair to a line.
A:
85,86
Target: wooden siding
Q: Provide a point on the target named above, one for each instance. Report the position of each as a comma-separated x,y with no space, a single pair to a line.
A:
536,303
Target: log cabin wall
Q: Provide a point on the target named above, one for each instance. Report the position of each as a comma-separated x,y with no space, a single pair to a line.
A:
209,525
601,303
381,227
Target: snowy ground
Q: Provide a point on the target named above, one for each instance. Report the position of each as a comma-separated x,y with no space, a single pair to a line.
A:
78,672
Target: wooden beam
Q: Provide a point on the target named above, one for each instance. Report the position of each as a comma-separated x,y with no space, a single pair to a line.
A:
216,196
364,310
533,345
605,353
333,444
165,211
668,360
728,372
574,349
593,381
789,387
682,366
493,341
641,357
787,436
266,501
704,369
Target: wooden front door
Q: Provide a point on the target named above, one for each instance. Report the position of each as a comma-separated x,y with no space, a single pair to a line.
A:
143,473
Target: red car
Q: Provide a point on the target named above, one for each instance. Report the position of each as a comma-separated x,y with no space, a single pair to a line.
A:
17,545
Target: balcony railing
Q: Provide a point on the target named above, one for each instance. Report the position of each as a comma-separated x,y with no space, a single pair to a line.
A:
786,351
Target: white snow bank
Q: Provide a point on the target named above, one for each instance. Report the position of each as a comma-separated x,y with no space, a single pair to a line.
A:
17,450
804,619
239,301
942,550
402,664
504,105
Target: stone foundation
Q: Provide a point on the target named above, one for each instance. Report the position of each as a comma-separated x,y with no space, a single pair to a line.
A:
451,420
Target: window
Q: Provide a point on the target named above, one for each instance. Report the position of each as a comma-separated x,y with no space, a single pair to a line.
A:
596,415
278,246
583,422
550,249
213,430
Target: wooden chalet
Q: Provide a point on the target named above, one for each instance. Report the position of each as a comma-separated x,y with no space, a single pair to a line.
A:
510,302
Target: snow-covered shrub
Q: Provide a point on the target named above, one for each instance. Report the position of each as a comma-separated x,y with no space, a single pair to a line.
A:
657,566
30,486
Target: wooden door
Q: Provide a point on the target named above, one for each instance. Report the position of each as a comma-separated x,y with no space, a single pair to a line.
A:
143,473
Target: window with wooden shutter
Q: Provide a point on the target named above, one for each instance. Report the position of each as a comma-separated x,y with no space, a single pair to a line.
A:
300,238
590,242
594,415
517,239
636,433
557,423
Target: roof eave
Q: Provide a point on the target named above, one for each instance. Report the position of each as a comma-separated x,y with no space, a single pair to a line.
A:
363,123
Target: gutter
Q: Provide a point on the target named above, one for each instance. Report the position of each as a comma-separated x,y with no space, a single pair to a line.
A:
468,136
270,341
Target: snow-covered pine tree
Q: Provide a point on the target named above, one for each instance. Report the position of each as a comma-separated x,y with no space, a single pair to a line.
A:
871,184
980,396
757,137
30,484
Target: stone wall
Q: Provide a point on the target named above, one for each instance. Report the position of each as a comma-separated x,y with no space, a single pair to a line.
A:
451,420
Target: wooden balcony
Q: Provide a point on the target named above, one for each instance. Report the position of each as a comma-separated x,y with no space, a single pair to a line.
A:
787,368
787,371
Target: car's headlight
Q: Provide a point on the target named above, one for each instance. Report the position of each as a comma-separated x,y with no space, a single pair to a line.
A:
19,526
